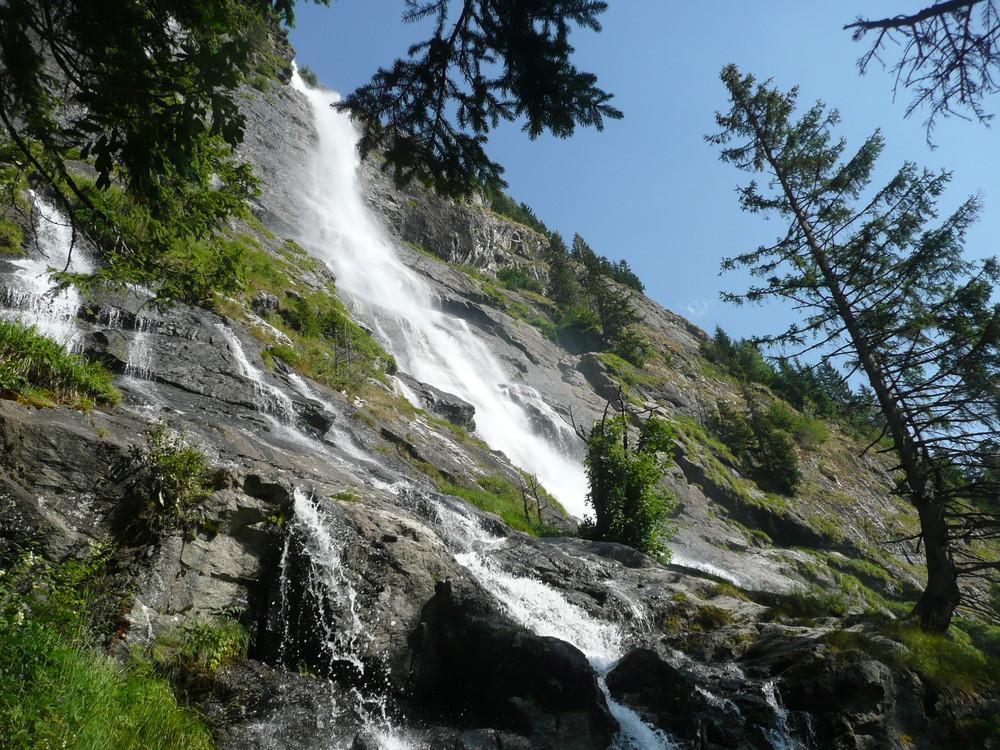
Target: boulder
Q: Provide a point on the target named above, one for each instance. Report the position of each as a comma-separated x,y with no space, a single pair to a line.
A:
442,404
470,660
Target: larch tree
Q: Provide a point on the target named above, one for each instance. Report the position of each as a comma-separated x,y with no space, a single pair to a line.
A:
884,290
947,53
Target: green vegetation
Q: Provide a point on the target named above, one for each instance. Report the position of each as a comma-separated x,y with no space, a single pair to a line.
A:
761,444
57,688
629,506
515,505
593,299
889,293
37,370
309,76
190,655
326,344
166,480
173,248
521,213
948,663
515,277
817,390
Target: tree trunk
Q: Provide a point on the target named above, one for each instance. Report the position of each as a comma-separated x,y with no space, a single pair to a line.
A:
937,603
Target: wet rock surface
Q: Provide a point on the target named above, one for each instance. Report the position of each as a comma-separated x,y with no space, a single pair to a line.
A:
470,660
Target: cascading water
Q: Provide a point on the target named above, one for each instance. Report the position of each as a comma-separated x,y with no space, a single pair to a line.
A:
33,298
325,607
140,354
545,611
268,399
434,347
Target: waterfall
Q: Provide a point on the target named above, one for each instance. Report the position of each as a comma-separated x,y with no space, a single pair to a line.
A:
33,298
268,399
139,364
400,306
546,612
326,605
780,735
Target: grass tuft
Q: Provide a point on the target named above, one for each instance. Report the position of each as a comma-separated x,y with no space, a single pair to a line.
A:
38,370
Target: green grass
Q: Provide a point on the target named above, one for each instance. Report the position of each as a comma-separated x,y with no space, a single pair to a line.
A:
38,370
57,687
946,662
58,693
326,344
495,494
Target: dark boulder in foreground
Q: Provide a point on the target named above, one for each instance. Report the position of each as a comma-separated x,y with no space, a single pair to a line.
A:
471,660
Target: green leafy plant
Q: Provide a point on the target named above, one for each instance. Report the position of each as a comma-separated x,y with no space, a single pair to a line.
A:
629,505
166,480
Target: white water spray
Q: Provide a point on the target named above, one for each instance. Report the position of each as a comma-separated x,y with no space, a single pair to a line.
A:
334,612
436,348
546,612
32,299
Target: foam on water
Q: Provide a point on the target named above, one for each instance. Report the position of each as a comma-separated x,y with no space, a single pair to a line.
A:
546,612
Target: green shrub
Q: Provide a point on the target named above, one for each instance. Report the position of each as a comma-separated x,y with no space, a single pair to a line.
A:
309,77
808,431
57,688
39,370
763,449
166,480
189,656
629,506
515,277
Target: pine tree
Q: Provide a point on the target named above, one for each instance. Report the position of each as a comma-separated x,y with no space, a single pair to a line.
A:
885,291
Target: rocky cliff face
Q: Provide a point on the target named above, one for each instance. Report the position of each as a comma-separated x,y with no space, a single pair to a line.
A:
333,534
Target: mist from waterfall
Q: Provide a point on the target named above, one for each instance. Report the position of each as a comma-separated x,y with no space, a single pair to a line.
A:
432,346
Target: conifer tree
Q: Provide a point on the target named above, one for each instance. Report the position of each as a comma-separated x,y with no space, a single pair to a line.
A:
882,288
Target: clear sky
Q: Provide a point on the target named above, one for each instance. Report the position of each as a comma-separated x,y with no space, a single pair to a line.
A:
648,188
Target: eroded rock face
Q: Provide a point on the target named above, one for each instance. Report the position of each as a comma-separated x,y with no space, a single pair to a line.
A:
462,233
445,405
470,660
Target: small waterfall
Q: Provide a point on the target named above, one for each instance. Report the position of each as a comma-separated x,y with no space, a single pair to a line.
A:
545,611
139,362
33,299
780,735
399,305
684,561
268,399
321,618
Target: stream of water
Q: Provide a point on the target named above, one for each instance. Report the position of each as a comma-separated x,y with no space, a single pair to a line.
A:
546,612
33,297
398,304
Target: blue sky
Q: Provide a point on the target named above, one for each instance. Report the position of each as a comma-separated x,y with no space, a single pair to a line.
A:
648,188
